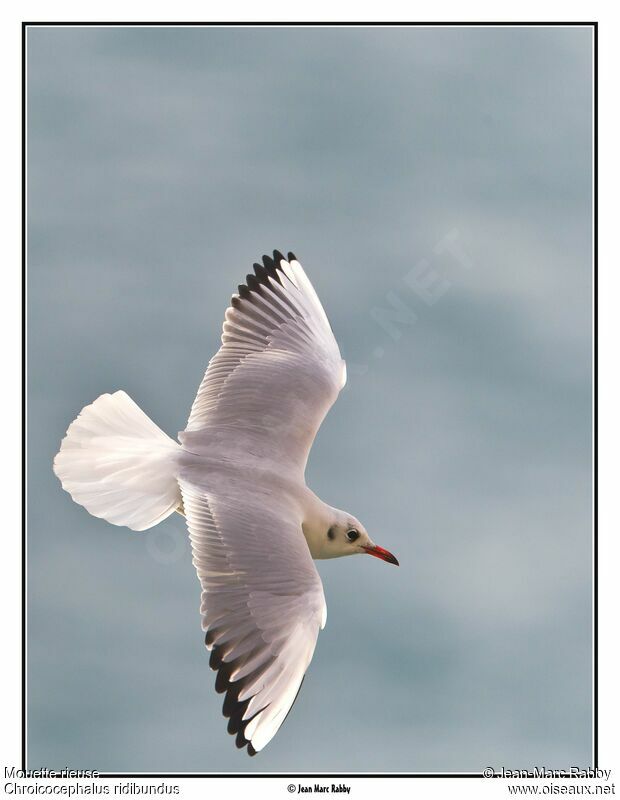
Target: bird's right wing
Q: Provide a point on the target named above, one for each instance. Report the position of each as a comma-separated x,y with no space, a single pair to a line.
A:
276,375
262,602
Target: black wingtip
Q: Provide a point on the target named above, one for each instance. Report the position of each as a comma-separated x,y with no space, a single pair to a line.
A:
271,268
240,740
215,660
260,272
233,708
251,750
222,680
252,283
292,257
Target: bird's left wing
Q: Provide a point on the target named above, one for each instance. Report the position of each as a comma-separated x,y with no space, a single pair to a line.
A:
262,602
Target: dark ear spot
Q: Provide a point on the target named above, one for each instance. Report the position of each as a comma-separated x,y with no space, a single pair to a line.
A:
331,533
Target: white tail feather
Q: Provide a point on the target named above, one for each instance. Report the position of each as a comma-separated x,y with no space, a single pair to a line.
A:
118,464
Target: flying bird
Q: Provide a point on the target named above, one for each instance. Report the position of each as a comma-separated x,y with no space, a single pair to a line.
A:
237,474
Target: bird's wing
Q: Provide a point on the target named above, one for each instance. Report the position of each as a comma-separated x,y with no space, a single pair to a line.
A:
262,602
276,375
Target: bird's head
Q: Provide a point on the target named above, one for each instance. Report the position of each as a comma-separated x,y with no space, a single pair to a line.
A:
346,536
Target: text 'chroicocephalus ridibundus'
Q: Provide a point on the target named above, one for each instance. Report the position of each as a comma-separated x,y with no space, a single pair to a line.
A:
238,476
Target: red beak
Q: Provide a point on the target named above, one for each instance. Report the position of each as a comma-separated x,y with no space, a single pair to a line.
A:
384,555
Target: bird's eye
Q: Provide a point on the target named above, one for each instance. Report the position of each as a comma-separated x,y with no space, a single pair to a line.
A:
352,535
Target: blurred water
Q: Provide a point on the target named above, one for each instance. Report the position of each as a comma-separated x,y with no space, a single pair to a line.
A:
435,183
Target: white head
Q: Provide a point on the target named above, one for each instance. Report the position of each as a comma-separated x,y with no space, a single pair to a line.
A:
337,533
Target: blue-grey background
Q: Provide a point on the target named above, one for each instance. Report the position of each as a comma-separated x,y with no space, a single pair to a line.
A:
161,163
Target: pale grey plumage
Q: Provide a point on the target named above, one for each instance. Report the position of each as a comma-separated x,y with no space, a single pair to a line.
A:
260,404
238,476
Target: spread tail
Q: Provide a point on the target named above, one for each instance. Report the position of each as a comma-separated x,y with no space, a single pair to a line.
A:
118,464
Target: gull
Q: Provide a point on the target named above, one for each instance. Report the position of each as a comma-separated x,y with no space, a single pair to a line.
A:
237,474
